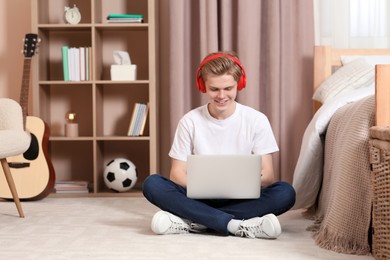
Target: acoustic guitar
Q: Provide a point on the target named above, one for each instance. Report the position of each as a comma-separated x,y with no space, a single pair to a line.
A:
32,171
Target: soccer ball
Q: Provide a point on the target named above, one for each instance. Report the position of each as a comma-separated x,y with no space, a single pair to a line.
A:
120,175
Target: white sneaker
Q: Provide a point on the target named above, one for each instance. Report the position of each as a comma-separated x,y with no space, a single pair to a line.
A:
164,223
267,226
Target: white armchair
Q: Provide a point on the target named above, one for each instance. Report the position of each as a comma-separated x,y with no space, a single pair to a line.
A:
14,140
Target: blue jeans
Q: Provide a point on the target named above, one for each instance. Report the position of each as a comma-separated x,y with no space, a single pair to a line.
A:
216,213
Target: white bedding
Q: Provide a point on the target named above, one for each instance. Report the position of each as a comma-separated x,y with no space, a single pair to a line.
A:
309,169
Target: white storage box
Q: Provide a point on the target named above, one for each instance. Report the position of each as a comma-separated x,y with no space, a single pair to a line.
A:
123,72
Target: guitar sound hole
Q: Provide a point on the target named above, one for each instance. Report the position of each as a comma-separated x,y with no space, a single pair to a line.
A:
33,151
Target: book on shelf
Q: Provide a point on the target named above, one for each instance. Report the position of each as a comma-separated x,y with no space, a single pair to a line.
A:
138,119
77,63
125,18
143,122
113,16
71,186
135,131
72,191
65,60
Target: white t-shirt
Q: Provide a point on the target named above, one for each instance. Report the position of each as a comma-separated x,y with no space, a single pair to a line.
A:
247,131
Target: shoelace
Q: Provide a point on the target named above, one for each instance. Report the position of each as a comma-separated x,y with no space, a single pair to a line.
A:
179,228
249,231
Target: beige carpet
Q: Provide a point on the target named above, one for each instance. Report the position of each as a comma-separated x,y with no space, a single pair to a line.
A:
118,228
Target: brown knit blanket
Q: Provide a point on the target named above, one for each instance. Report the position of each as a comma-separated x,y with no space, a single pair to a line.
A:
343,211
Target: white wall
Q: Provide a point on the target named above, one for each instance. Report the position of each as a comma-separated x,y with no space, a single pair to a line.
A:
15,22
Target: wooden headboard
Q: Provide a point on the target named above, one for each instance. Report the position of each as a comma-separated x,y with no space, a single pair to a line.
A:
327,58
382,95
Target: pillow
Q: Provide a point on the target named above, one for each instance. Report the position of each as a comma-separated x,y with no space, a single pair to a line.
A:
355,74
370,59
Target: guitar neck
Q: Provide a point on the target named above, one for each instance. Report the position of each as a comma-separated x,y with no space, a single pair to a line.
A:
24,93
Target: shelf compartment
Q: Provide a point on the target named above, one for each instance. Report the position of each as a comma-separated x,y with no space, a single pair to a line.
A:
57,100
104,8
122,26
132,40
114,106
50,50
53,12
68,163
135,151
66,139
64,27
123,138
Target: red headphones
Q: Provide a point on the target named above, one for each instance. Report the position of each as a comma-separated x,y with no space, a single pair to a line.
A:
199,81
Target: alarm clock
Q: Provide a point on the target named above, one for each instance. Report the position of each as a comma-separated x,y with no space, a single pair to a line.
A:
72,15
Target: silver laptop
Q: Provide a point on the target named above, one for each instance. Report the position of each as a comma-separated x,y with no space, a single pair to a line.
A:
223,176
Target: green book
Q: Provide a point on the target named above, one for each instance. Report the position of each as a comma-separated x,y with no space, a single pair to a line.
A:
65,62
115,16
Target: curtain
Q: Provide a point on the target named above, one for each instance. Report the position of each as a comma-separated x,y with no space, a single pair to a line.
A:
274,40
352,23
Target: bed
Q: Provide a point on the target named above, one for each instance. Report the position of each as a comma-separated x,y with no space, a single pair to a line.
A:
332,175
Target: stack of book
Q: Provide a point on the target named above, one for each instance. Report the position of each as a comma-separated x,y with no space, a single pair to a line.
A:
77,63
138,119
66,187
125,18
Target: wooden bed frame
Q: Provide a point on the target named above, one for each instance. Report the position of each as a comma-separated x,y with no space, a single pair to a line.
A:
327,58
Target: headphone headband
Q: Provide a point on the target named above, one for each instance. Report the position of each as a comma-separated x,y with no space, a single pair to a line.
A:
199,81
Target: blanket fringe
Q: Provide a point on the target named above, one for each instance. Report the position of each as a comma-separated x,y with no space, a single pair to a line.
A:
326,239
316,225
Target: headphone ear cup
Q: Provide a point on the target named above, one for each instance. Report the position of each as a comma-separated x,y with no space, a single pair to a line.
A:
201,85
199,81
242,81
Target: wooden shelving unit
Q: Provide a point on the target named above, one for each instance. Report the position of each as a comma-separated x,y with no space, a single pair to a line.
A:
103,107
